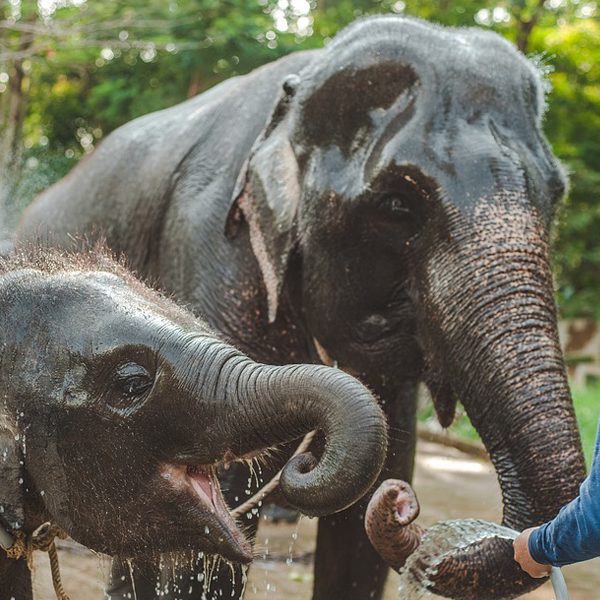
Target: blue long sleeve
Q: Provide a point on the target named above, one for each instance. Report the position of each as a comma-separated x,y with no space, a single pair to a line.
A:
574,534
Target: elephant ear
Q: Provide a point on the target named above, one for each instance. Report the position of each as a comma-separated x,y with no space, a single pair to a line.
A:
11,477
267,195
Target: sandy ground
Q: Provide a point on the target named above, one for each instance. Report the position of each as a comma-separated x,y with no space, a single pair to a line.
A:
449,485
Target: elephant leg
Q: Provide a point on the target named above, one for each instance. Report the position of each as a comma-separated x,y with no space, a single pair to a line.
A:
347,567
15,579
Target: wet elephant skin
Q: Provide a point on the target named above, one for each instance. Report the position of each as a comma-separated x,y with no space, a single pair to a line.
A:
384,204
118,407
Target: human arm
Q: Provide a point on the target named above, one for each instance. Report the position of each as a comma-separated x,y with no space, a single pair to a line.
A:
572,536
523,556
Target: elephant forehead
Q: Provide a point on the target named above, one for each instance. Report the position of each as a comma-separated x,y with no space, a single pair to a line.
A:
464,60
101,308
399,89
416,41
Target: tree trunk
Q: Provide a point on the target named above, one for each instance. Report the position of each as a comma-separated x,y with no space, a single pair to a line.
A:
13,115
525,26
13,129
194,85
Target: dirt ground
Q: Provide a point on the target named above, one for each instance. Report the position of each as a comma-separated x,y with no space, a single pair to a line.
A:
449,484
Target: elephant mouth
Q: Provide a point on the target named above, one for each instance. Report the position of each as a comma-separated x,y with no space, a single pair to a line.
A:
203,482
200,482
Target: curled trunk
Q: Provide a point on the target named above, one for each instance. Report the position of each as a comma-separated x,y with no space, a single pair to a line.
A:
269,405
302,398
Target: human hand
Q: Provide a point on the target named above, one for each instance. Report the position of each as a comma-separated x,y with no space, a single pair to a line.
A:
524,558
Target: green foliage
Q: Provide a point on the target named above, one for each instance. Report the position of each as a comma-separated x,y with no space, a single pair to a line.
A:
92,65
105,63
40,169
587,409
573,124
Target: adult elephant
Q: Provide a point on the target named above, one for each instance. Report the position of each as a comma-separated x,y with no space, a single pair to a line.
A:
391,214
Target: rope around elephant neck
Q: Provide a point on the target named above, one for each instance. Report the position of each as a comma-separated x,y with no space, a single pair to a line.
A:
43,539
55,570
251,503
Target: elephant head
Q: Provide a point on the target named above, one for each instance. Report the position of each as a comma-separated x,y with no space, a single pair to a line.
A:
118,406
406,171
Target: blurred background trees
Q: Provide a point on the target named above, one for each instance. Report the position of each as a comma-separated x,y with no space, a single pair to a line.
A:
71,71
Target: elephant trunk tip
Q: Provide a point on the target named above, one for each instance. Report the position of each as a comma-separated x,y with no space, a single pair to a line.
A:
396,500
389,522
293,480
404,501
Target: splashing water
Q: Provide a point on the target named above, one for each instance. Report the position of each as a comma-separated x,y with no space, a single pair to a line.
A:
442,541
130,567
289,561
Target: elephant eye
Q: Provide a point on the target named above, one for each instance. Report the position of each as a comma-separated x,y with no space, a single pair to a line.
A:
132,380
396,219
396,206
396,210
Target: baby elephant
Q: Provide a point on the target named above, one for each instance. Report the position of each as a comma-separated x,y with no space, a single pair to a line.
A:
117,407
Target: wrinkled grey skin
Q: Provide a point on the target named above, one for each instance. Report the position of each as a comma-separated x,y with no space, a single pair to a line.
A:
118,407
392,213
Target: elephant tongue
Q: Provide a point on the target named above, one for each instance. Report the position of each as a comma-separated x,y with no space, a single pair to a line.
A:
203,485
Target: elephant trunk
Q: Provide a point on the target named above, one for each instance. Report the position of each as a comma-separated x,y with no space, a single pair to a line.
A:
507,369
389,522
529,429
269,405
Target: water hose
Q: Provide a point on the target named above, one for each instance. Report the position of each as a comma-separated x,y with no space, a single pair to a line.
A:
558,583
